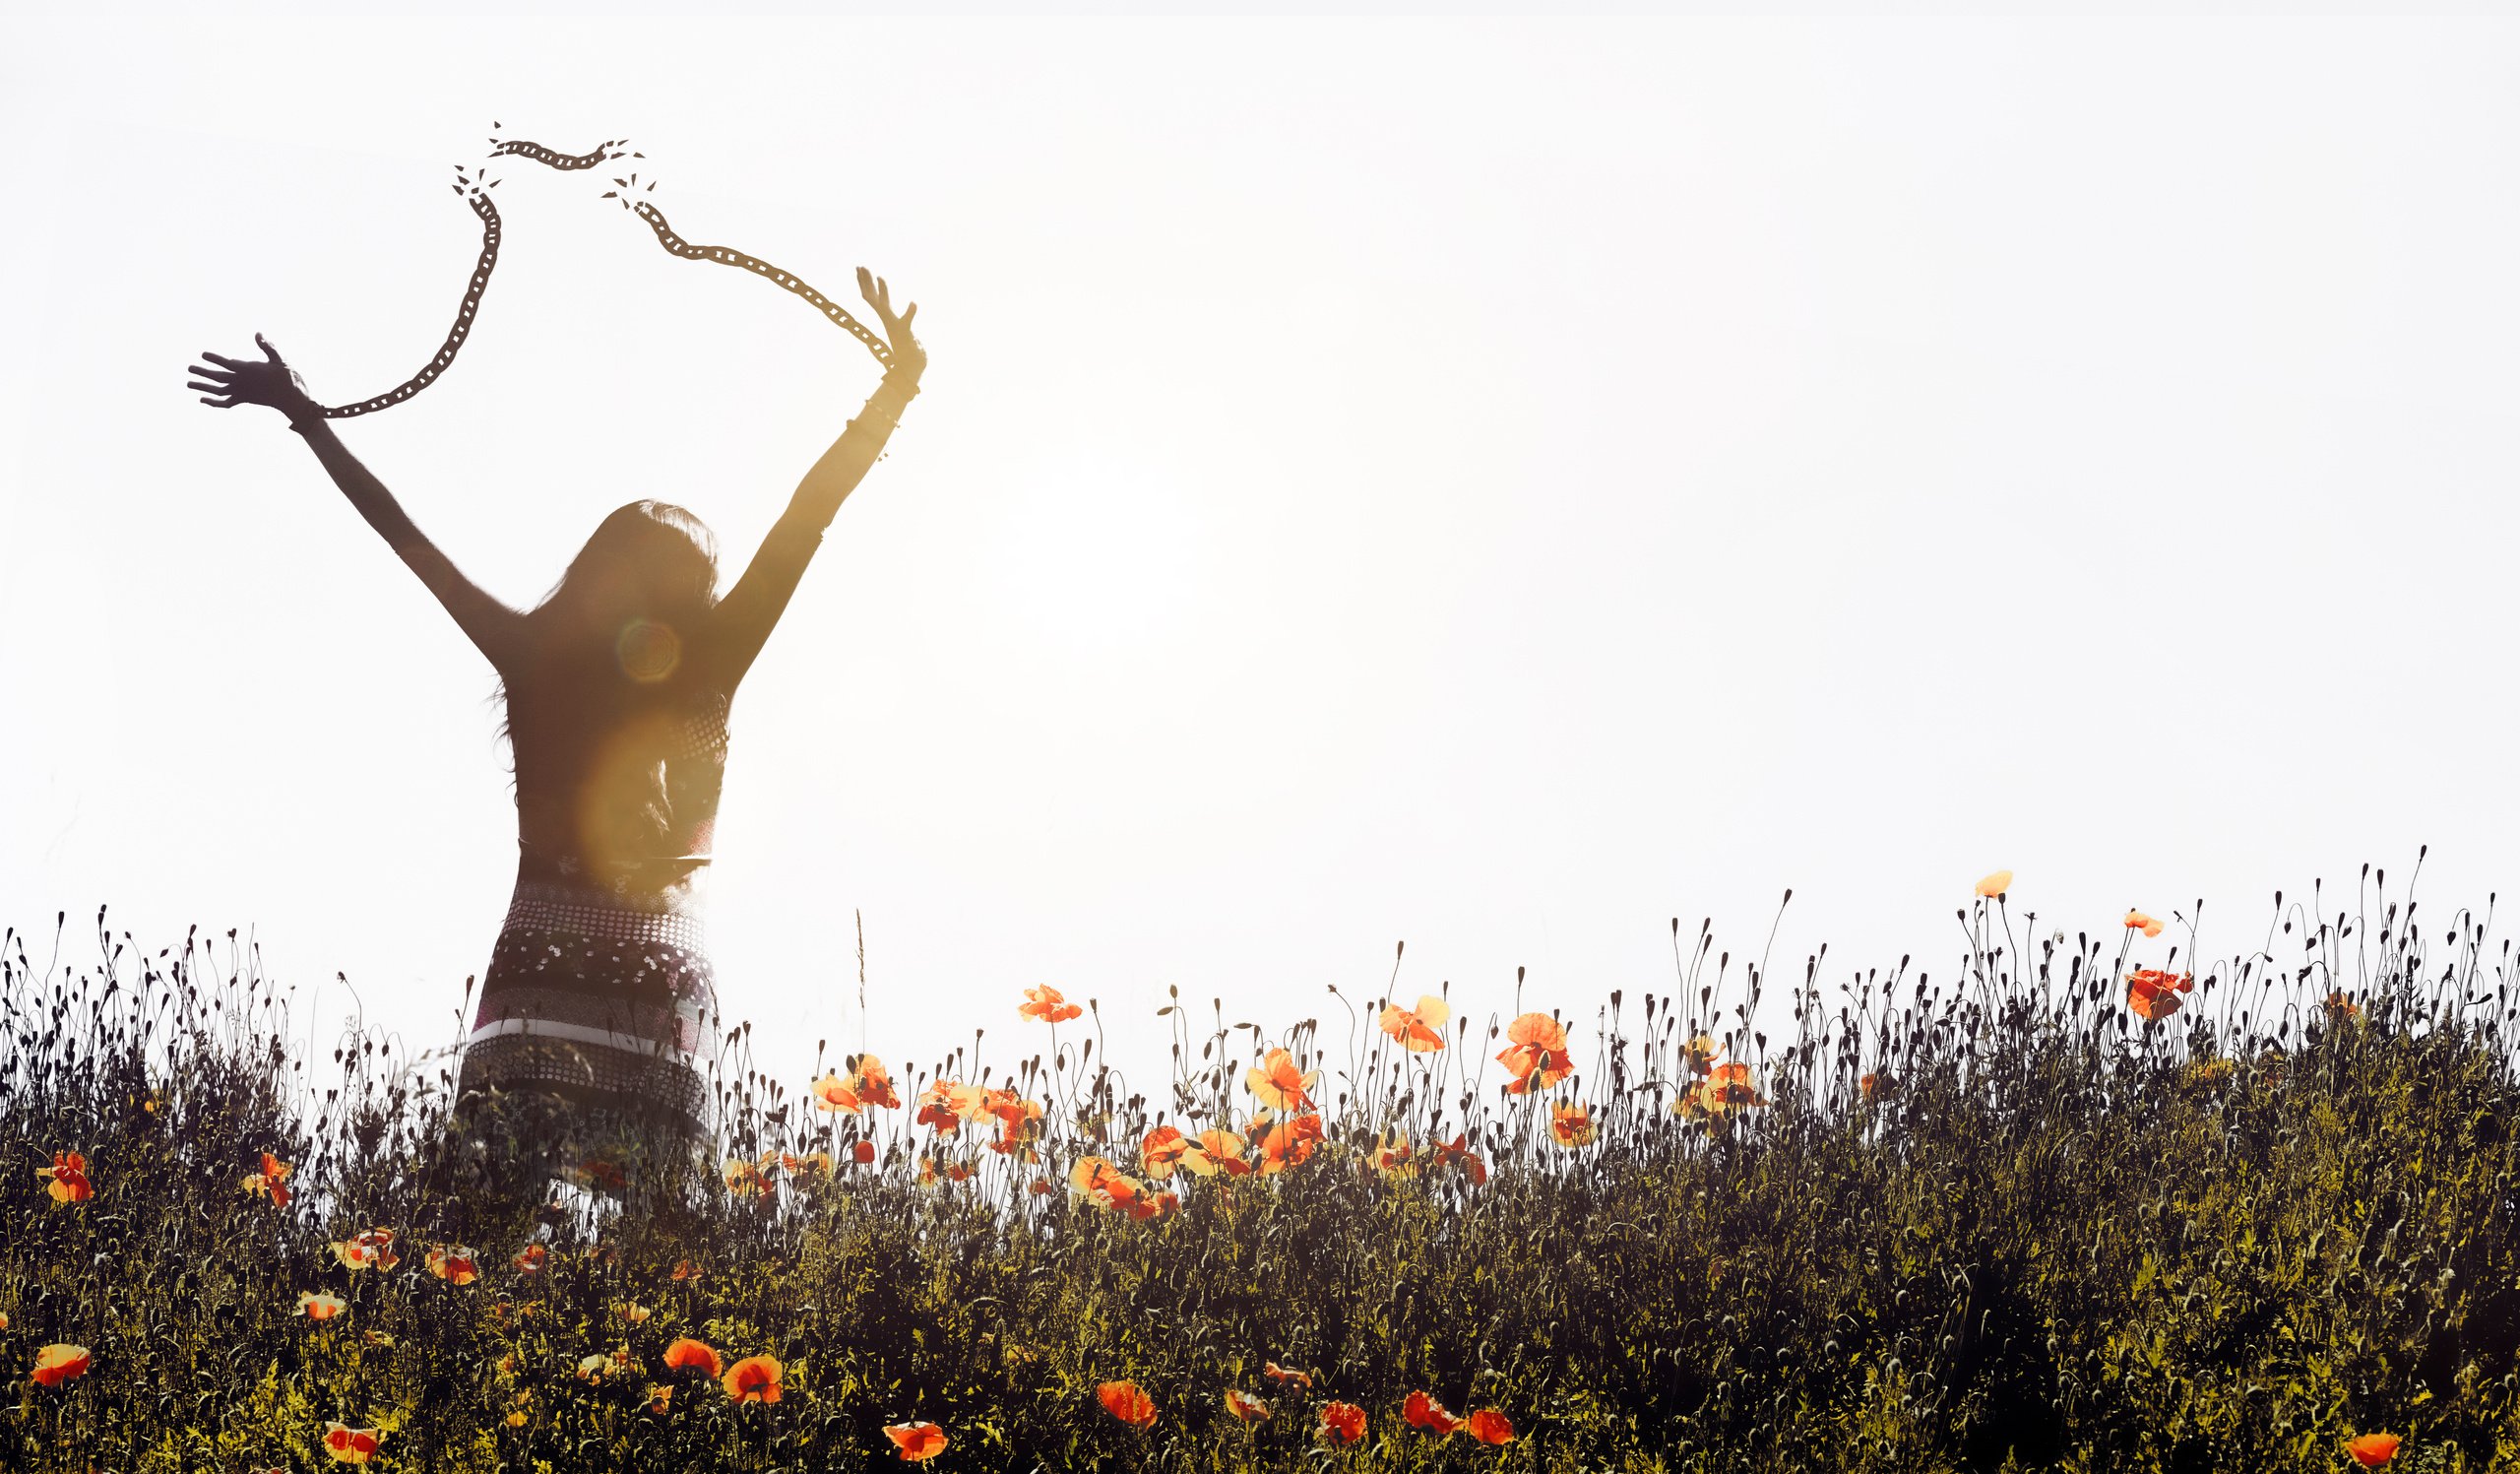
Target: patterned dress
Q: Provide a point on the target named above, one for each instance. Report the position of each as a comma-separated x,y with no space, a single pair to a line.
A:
599,989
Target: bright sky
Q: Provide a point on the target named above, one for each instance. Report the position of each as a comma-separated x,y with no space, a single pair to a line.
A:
1500,486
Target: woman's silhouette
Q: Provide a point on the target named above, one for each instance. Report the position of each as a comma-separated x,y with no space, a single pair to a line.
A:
600,990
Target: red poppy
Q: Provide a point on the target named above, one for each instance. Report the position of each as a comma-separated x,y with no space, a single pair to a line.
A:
1048,1005
453,1266
1278,1084
1536,1055
60,1362
1570,1125
350,1445
660,1400
687,1351
755,1379
1123,1400
684,1269
810,1166
1422,1411
2153,993
67,1178
872,1082
833,1095
744,1178
1394,1156
1872,1085
1457,1153
1420,1030
1019,1120
1245,1406
532,1259
270,1181
917,1443
1277,1373
1342,1423
316,1306
1489,1426
2373,1449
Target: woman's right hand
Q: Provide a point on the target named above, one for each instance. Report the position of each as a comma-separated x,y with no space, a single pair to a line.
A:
242,381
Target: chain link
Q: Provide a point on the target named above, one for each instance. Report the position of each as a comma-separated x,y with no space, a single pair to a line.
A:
477,195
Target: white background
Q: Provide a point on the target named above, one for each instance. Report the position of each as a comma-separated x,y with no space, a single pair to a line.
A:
1498,484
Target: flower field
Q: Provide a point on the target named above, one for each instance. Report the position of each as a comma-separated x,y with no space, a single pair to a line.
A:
2084,1202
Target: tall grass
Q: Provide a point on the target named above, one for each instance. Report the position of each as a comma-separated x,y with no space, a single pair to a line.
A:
1983,1220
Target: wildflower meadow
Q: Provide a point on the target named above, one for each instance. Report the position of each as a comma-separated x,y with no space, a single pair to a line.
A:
2083,1202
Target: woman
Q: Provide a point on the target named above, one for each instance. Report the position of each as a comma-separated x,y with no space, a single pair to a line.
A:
599,994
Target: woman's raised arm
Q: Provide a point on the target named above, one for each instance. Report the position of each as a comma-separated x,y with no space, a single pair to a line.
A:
495,630
751,608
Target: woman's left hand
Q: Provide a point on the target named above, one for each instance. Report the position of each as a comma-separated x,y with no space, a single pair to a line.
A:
909,358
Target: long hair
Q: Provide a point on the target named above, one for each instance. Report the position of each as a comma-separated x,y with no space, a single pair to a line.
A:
648,562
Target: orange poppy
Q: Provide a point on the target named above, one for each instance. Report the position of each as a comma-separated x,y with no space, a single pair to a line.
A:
1570,1125
2138,921
632,1312
917,1443
532,1259
687,1351
1048,1005
1995,884
271,1180
946,1104
684,1269
1277,1373
810,1166
350,1445
1394,1157
1420,1030
1699,1055
2153,993
316,1306
1217,1150
862,1152
873,1084
4,1319
2343,1007
1872,1085
1156,1205
755,1379
1457,1153
2373,1449
744,1178
1245,1406
661,1399
1422,1411
1536,1055
1123,1400
453,1266
1019,1120
1342,1423
593,1368
1278,1084
60,1362
1163,1146
598,1173
1728,1088
1103,1184
1289,1144
1489,1426
833,1095
67,1178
